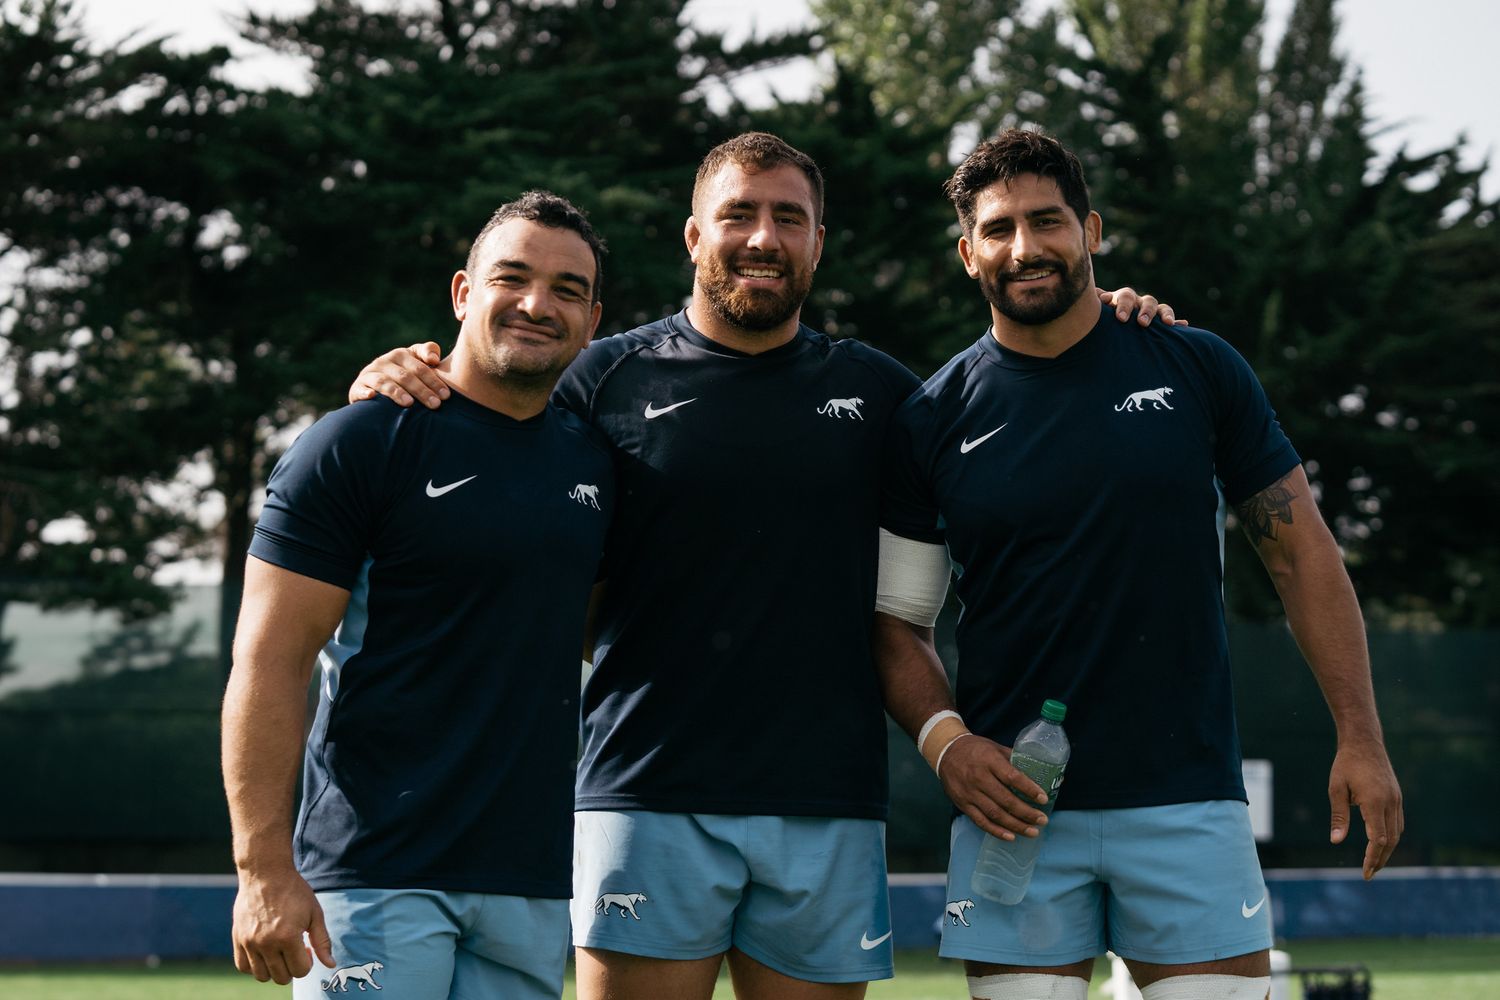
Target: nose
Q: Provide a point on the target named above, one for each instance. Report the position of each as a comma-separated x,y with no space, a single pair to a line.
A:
763,235
1020,245
536,304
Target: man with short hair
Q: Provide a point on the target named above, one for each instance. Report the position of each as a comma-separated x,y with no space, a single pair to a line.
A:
732,791
433,847
1074,469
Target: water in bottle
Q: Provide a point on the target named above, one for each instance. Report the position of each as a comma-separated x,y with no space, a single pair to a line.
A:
1004,868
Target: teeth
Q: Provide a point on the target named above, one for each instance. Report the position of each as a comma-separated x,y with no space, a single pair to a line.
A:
1032,275
760,272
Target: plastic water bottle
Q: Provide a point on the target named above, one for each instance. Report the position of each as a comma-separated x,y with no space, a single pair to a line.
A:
1004,868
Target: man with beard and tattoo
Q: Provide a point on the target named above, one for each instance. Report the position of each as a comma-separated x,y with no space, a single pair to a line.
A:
732,793
1075,470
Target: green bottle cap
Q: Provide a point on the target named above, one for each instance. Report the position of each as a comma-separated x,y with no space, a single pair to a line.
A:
1053,711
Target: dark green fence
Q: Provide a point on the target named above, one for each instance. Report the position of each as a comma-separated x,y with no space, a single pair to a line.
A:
117,769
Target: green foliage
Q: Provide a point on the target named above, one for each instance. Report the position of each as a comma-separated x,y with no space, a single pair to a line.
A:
227,260
1240,185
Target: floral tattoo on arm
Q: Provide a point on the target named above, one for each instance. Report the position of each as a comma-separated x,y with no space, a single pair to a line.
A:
1260,514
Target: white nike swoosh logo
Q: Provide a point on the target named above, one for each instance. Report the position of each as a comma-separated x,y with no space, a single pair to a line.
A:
652,412
437,491
969,446
1249,911
867,944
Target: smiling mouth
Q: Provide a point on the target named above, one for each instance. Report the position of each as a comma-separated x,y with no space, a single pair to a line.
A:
758,272
1034,274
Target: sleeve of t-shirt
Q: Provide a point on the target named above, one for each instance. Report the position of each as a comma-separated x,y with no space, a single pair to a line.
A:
575,390
907,507
1252,451
322,500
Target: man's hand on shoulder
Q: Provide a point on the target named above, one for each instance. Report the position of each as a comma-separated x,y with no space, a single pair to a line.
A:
402,376
1127,299
270,915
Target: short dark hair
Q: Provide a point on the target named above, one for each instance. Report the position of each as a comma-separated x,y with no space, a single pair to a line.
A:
1009,155
757,151
552,211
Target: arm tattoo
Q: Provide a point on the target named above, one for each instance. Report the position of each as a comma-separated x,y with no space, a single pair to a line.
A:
1260,514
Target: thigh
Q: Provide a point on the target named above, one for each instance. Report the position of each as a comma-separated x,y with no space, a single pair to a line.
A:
384,938
657,885
756,981
515,947
1059,922
613,975
817,908
1185,884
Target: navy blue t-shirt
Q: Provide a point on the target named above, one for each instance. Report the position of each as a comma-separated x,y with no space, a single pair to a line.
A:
442,752
733,671
1080,500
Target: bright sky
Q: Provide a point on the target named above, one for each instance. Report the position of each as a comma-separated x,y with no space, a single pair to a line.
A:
1430,68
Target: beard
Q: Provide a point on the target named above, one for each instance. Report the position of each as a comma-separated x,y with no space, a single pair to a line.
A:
524,362
754,309
1033,308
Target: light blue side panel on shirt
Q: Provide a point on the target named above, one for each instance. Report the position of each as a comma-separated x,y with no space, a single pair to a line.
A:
349,637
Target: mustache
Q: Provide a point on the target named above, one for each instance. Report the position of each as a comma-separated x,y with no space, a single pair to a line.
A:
1012,273
760,257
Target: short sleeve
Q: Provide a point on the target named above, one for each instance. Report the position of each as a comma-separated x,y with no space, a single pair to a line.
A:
1251,451
321,500
907,505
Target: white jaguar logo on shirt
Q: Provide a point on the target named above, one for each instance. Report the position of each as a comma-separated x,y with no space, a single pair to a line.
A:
836,408
588,495
1156,397
955,911
626,901
356,974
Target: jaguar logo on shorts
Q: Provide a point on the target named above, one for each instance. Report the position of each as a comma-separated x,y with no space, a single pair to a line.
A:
956,909
356,974
626,901
586,494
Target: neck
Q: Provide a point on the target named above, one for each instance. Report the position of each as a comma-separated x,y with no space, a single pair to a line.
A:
1048,340
517,396
707,321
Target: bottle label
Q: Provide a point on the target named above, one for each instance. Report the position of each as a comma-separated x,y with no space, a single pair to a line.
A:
1047,774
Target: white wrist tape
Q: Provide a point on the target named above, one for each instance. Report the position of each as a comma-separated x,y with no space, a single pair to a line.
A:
913,579
936,718
1208,988
1028,986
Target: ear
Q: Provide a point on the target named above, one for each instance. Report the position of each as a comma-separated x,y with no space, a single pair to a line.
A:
594,313
818,248
691,235
460,294
966,254
1093,230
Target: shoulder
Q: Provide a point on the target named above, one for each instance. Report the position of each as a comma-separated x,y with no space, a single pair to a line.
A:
580,433
354,430
897,378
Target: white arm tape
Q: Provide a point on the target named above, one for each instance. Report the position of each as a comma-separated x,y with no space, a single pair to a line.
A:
913,579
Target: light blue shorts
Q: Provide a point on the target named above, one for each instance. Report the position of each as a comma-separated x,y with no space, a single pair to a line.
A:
804,895
432,945
1165,884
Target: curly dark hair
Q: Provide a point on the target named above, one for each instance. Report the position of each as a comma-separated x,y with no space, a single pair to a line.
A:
1009,155
552,211
757,151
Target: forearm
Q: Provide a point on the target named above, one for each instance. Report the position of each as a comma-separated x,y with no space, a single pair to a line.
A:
262,748
1324,616
284,620
912,681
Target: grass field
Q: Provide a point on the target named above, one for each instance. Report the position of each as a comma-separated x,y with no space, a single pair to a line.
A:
1415,969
